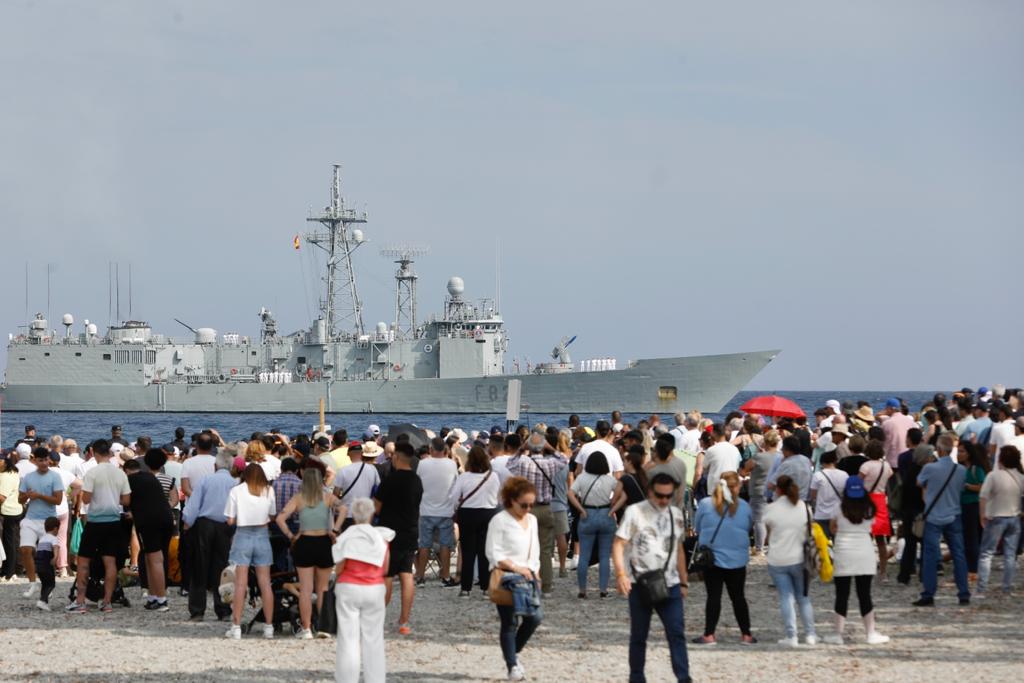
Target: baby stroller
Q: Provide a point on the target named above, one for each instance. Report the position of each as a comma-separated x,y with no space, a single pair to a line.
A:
94,586
286,605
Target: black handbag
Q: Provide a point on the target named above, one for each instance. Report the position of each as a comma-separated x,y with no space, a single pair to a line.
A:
703,557
652,587
327,618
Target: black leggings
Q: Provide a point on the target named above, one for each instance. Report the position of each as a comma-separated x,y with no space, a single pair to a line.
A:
734,580
863,593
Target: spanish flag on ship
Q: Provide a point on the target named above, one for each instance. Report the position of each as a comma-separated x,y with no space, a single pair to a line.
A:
296,242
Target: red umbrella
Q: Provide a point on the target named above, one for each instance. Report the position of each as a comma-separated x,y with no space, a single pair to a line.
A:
773,406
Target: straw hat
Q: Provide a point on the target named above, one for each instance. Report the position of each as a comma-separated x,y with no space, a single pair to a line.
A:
865,414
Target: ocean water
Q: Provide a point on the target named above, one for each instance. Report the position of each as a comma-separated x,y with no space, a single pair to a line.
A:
85,427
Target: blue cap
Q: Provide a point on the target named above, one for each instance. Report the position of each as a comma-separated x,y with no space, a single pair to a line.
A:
893,403
982,391
854,487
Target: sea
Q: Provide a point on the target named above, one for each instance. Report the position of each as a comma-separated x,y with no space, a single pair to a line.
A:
85,427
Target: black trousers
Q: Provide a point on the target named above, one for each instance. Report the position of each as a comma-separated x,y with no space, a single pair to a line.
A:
970,515
473,524
908,562
863,593
734,581
210,542
11,534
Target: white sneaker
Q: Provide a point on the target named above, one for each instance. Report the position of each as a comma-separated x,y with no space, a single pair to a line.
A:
303,634
877,639
834,639
571,563
811,639
517,673
234,632
268,631
45,606
789,642
33,589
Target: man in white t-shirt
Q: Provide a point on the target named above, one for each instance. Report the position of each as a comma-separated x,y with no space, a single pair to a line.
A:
199,466
438,474
602,443
722,457
355,480
1002,432
106,491
686,434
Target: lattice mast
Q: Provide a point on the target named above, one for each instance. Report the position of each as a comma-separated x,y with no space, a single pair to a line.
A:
340,304
405,287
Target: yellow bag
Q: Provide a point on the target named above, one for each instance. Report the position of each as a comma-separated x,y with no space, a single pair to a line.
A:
821,540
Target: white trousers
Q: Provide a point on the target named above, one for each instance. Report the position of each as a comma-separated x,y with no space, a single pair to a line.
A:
360,639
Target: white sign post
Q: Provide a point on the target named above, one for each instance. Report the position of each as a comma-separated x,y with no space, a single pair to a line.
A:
515,393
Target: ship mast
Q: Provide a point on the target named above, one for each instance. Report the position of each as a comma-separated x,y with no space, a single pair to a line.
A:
341,303
405,287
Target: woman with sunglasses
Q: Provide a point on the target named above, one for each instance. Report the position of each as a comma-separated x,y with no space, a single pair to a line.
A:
513,547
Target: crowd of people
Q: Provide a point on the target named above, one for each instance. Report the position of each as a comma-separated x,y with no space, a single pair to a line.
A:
275,520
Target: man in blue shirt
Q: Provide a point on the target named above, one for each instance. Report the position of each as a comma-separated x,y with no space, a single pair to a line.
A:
980,429
211,537
943,482
41,490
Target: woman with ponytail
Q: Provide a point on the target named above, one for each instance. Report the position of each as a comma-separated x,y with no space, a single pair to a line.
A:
723,524
788,520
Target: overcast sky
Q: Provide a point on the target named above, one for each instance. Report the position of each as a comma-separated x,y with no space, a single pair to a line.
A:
842,181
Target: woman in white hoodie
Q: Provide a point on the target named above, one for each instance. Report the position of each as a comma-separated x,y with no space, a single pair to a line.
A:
361,554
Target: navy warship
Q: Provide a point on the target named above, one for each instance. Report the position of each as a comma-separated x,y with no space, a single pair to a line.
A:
448,363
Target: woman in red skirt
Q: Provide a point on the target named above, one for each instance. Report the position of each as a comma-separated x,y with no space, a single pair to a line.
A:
875,473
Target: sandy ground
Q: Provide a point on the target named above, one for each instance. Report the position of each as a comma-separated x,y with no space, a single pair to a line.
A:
456,640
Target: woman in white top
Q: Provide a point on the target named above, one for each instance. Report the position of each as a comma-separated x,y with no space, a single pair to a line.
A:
249,509
591,495
513,547
854,559
476,496
1000,518
788,520
827,486
876,473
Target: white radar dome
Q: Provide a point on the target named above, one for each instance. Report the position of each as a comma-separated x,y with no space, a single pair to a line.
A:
91,329
69,319
382,328
357,236
456,286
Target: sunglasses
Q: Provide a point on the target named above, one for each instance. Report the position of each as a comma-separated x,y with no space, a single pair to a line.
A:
525,506
664,496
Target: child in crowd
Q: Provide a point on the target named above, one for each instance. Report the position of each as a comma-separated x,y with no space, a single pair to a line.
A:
46,561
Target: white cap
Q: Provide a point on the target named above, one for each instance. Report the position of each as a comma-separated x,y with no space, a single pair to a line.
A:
617,427
834,405
116,448
375,429
23,449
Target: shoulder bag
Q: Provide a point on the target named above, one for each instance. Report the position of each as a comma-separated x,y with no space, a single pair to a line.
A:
812,558
348,488
703,557
652,586
497,593
917,528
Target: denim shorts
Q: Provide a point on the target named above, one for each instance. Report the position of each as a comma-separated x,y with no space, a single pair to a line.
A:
251,547
443,526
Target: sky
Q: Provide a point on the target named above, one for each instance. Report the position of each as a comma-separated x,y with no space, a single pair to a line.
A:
841,181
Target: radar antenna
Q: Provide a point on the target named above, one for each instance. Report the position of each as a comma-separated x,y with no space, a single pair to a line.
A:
405,286
341,302
559,353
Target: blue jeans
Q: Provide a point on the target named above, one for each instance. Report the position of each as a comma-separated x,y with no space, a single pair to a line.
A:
1007,529
930,556
671,614
597,527
789,581
512,638
525,595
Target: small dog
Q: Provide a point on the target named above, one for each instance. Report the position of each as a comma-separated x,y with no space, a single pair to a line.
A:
227,583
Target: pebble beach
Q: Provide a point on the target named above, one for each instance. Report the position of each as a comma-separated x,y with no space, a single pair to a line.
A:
455,639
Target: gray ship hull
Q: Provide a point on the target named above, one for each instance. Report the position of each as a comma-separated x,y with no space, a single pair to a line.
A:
662,385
